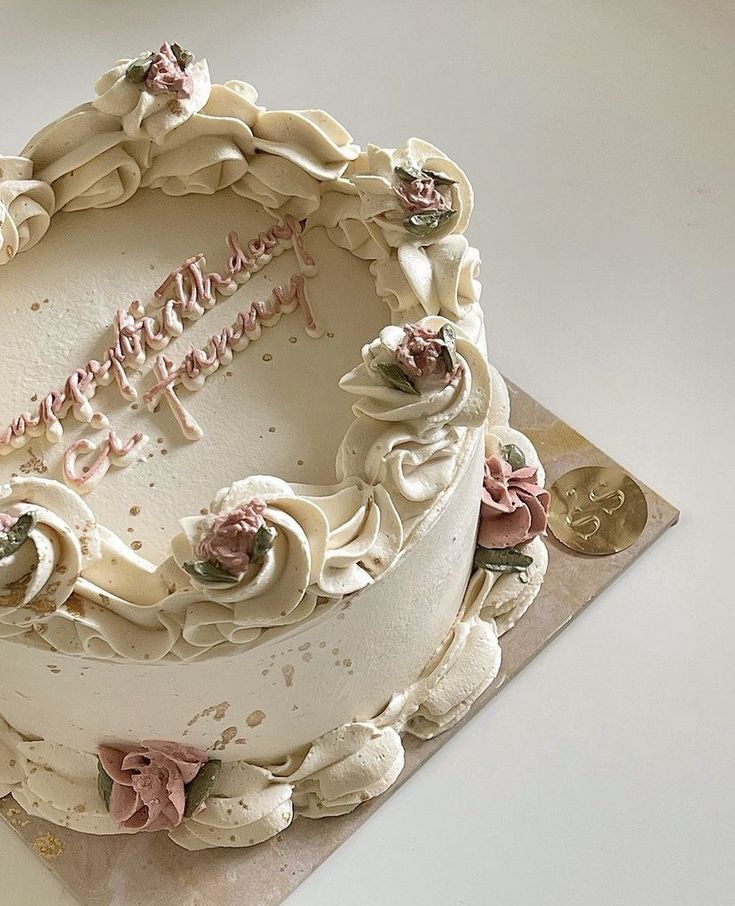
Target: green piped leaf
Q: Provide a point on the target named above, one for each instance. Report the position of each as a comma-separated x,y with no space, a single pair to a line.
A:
201,786
138,69
183,57
395,378
408,173
514,456
440,179
448,336
209,572
263,542
104,784
17,535
501,561
424,224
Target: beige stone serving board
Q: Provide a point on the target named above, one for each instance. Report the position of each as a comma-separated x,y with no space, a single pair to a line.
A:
112,871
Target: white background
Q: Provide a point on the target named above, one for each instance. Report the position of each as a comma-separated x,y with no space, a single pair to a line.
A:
600,139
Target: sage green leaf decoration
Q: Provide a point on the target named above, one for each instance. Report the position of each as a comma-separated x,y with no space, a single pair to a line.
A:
408,173
448,336
198,790
514,456
395,378
138,69
17,535
424,224
440,179
104,784
209,572
501,561
262,542
183,57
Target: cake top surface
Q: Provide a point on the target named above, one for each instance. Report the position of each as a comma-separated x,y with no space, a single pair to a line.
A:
202,294
273,408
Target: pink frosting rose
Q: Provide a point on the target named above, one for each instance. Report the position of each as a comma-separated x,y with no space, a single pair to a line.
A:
230,537
421,353
167,76
420,196
148,783
6,522
514,507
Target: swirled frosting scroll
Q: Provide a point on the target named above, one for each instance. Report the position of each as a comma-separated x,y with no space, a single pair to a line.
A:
26,205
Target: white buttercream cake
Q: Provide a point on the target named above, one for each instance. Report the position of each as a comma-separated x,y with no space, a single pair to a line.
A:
261,509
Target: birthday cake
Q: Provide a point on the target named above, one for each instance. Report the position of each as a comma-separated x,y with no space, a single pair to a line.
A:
261,510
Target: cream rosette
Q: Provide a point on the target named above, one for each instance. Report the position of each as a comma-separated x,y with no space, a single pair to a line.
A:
103,627
244,808
463,401
143,114
311,139
340,770
381,177
461,669
505,597
60,785
211,150
466,670
364,214
365,535
340,214
48,535
343,768
83,158
26,205
324,546
441,278
120,606
279,186
295,151
274,588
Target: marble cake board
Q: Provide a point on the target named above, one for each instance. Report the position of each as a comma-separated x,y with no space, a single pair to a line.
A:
105,871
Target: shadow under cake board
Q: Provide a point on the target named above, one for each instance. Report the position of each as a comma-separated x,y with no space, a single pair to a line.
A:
102,871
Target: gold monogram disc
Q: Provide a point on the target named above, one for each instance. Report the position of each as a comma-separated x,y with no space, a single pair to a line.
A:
597,510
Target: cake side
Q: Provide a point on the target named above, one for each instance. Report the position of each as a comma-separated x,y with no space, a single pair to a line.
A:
283,692
256,795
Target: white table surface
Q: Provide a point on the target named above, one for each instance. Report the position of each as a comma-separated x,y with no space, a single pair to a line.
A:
600,139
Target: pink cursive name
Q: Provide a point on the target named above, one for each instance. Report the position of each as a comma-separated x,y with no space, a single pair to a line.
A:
111,453
198,364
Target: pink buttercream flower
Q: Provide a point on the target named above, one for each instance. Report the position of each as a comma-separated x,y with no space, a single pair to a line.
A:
419,196
230,537
7,522
148,783
514,507
421,353
167,76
